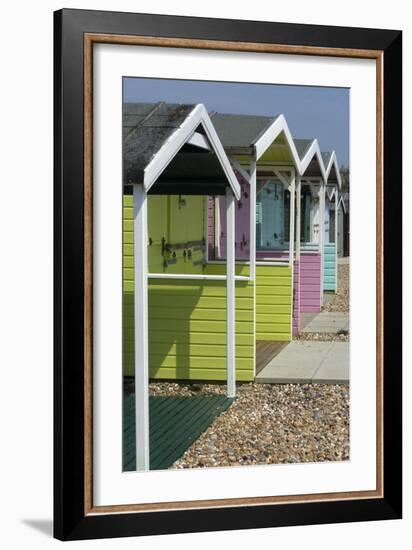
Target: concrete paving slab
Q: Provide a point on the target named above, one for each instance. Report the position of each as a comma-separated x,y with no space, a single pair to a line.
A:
334,369
328,321
286,374
306,318
304,362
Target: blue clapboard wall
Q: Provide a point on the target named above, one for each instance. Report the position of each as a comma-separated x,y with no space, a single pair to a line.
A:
329,271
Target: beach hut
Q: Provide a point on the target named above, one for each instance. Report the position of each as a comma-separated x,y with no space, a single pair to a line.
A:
274,239
342,229
173,151
265,157
333,185
312,213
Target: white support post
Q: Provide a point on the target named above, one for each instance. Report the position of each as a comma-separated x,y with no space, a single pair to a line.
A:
298,216
141,335
252,247
252,227
292,218
230,293
336,235
292,239
217,227
206,226
322,234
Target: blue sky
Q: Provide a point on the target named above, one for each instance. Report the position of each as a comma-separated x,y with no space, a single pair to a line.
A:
310,111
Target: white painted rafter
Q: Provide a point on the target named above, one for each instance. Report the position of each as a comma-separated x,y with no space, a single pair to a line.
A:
333,163
200,141
182,135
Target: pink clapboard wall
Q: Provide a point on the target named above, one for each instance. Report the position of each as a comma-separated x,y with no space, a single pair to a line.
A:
310,282
242,221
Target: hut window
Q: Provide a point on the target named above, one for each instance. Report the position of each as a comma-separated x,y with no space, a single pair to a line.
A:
270,215
307,212
332,225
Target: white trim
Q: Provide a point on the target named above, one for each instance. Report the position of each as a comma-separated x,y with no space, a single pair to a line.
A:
216,206
182,135
333,161
141,333
322,236
230,294
195,276
252,221
171,147
278,126
252,248
237,166
297,253
298,216
330,192
292,242
220,152
343,203
336,239
199,140
291,188
237,261
313,151
282,178
266,182
206,225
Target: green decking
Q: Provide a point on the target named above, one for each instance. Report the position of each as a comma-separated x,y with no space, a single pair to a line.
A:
274,303
174,424
187,318
329,268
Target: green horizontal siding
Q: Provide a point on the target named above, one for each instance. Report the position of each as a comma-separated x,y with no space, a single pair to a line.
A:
165,220
274,303
329,267
187,319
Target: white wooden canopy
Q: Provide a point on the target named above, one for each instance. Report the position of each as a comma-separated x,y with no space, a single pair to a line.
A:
186,133
332,171
174,145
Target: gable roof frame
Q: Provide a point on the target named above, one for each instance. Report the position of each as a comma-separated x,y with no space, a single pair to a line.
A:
333,163
183,134
313,152
343,203
242,171
278,126
330,191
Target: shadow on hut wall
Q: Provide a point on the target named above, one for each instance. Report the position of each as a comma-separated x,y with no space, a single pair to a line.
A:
171,321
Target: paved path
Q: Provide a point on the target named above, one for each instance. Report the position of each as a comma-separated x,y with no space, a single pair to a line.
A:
304,362
327,321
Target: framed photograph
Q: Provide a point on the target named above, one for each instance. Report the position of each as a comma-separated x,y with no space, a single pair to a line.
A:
227,274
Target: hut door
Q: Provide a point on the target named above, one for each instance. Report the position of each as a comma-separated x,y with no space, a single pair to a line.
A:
270,216
339,244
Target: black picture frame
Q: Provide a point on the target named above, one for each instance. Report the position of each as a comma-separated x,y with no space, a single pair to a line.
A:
70,520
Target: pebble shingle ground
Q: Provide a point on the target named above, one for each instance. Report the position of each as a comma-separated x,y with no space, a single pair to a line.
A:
274,423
